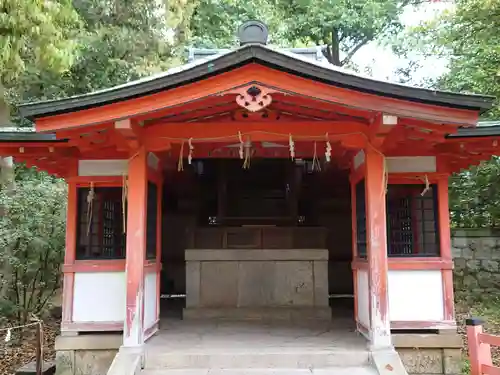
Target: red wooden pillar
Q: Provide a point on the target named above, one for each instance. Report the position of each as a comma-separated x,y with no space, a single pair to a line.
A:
133,333
376,232
70,254
354,247
445,246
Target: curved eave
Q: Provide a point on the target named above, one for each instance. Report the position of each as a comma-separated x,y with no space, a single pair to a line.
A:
266,57
29,137
477,132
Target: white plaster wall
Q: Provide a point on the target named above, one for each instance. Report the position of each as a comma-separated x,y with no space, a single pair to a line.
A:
153,161
359,159
416,295
411,164
363,298
102,167
150,299
99,297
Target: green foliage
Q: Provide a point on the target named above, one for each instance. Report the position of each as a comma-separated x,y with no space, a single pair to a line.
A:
117,41
32,237
472,36
35,33
475,196
343,25
468,35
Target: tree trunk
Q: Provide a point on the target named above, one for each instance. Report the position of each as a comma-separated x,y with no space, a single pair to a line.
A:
6,182
332,52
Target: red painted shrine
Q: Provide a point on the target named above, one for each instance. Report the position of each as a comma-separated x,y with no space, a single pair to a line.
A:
257,149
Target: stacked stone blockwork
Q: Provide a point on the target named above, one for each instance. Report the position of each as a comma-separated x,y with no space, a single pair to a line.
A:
476,254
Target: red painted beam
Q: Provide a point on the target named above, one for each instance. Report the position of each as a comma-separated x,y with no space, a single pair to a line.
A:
150,106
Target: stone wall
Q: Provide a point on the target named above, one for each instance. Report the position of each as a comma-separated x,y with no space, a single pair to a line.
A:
476,253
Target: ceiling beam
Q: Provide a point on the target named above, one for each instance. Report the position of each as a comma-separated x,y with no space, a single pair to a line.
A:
155,137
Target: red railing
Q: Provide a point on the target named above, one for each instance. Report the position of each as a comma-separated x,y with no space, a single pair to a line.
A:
480,348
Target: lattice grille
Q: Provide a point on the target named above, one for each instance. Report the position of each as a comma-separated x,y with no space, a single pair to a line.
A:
361,219
100,232
152,220
411,221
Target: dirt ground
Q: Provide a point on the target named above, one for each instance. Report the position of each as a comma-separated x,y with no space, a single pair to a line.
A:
21,350
486,309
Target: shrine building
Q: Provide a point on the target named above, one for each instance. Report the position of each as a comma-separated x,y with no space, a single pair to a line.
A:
257,186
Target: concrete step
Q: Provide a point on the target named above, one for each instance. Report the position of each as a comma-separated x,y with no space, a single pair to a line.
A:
278,358
366,370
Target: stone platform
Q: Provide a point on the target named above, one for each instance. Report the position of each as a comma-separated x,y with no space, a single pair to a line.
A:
257,284
252,346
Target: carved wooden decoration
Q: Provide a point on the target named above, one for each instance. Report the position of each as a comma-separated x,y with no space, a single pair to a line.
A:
265,115
253,98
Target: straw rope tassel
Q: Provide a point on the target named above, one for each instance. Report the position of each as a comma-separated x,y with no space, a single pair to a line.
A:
316,165
386,176
292,146
191,148
242,145
246,163
180,163
124,202
328,150
427,186
90,200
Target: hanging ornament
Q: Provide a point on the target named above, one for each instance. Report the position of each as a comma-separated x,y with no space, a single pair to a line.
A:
248,147
316,166
124,202
328,150
8,335
90,204
292,147
242,145
180,163
191,148
427,186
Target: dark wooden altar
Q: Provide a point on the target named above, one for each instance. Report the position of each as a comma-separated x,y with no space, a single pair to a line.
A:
275,204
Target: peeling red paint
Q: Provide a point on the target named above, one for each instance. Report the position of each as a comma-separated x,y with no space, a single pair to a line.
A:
136,249
377,248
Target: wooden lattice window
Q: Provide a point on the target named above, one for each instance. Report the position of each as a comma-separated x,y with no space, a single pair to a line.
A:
361,219
100,233
152,220
412,228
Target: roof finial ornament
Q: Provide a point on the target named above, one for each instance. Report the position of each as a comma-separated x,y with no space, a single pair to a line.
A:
253,32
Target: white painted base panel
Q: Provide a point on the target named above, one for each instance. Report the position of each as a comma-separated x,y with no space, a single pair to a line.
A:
363,298
150,299
99,297
416,295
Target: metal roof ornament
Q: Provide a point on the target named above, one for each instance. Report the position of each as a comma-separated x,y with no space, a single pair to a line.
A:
253,31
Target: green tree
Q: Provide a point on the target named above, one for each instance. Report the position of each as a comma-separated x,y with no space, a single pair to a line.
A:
343,26
57,49
32,239
35,33
468,36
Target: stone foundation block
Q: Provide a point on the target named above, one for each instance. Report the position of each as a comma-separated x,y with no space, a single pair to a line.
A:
422,361
86,354
426,361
